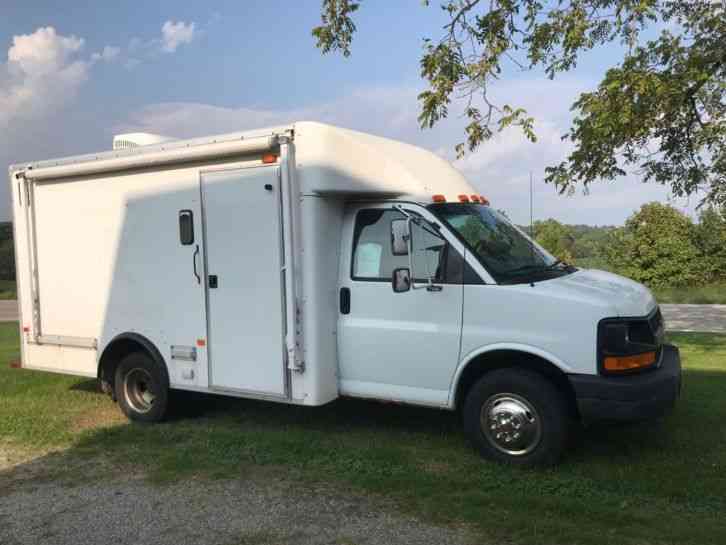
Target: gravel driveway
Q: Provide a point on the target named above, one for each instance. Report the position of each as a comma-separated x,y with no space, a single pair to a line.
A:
256,509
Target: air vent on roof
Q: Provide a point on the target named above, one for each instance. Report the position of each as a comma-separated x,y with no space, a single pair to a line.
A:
136,139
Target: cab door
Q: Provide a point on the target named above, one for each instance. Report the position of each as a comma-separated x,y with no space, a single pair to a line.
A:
398,346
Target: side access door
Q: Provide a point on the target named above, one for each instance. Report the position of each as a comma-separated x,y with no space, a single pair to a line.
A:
398,346
244,282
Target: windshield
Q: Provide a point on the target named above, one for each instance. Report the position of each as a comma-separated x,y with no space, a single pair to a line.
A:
507,253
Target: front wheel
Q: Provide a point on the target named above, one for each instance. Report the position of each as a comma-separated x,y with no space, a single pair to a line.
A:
141,388
518,417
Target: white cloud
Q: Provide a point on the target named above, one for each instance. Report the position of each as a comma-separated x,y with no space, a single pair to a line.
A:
176,34
108,54
499,169
43,70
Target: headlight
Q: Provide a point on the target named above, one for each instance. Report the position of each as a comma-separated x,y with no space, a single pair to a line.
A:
627,345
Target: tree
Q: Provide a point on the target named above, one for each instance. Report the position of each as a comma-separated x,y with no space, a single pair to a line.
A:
657,247
710,237
556,238
661,111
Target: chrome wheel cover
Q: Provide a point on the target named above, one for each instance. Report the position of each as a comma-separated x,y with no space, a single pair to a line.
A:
511,424
138,390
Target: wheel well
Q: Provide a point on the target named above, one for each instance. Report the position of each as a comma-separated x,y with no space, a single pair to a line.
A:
120,347
502,359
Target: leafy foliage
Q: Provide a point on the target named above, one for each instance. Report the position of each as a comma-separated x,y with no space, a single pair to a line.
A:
657,247
556,237
661,111
7,252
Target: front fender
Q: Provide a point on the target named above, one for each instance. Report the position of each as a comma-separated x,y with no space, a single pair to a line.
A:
517,347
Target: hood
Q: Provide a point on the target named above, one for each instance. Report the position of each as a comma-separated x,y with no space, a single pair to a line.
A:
628,298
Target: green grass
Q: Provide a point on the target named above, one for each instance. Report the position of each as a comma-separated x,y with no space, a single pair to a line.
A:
7,289
703,295
656,483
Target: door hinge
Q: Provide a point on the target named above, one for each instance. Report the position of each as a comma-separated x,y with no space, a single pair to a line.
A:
296,363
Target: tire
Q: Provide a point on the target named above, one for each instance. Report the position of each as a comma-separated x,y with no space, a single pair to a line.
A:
141,387
517,417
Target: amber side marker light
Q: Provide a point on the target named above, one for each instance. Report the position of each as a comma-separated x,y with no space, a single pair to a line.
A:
269,158
629,363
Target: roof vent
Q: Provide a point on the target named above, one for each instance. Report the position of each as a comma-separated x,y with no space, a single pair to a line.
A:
136,139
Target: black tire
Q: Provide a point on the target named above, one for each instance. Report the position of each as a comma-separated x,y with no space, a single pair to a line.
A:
518,417
141,387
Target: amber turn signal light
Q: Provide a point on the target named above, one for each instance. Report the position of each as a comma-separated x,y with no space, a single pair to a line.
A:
629,363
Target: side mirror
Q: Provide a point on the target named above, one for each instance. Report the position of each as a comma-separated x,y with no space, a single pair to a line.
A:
400,235
401,280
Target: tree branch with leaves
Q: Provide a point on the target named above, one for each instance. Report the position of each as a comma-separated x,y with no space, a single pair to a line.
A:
659,113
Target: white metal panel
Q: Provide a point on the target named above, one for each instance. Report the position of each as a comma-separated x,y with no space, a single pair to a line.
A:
335,161
110,261
243,250
545,319
322,220
388,340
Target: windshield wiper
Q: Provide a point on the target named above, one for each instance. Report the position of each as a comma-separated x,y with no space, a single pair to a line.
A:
524,269
555,264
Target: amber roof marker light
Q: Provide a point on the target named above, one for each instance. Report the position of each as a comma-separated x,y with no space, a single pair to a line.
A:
438,198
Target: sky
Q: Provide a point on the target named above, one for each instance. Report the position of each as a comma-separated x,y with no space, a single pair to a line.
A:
74,73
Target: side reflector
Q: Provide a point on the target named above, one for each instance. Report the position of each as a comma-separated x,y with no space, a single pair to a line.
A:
438,198
475,198
628,363
269,158
15,364
201,342
464,198
26,329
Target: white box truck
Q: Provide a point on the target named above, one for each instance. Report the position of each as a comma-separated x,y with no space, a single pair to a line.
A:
302,263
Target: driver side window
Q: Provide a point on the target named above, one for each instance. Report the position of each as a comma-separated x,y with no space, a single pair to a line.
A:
373,258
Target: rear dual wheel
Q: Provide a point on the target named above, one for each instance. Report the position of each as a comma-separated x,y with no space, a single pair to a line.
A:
142,388
517,417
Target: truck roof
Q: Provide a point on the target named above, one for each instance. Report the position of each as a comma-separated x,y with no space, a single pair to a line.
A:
330,161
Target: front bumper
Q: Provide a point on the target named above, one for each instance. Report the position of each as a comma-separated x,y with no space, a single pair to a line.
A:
633,397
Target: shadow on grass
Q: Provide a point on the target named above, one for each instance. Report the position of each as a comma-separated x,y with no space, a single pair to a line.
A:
90,385
419,458
702,400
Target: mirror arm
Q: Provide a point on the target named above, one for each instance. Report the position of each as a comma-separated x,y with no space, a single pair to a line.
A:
410,218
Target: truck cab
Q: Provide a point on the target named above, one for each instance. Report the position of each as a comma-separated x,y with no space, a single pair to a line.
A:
449,304
303,263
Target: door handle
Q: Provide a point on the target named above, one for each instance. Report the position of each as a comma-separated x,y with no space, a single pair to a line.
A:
345,300
194,261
